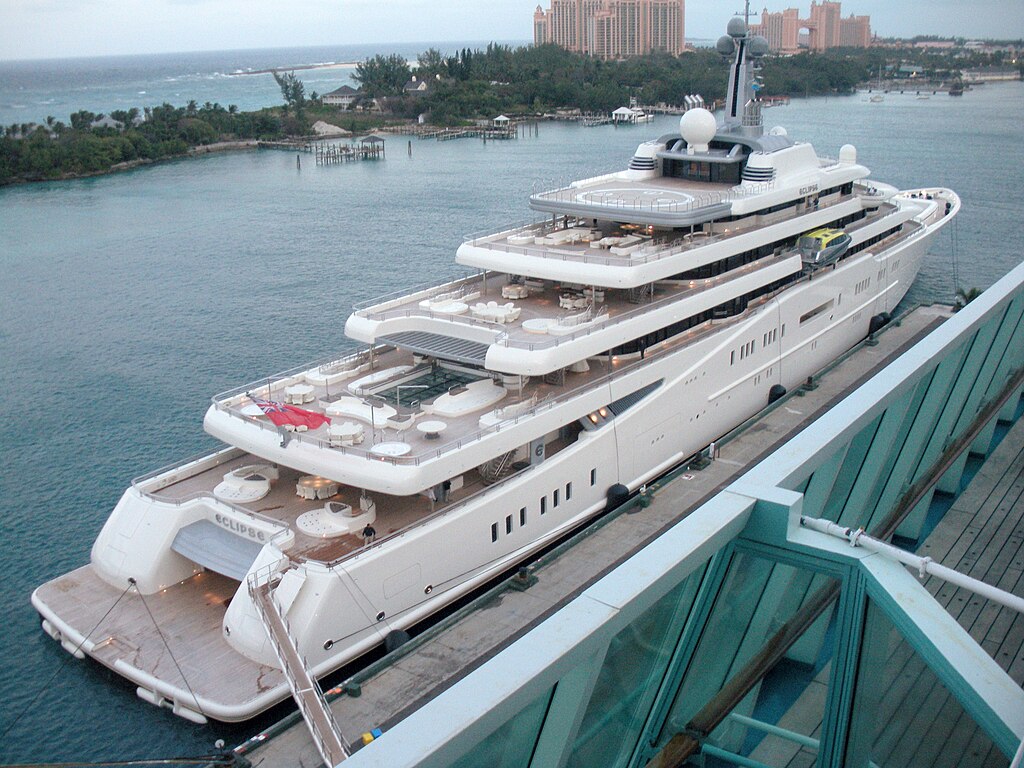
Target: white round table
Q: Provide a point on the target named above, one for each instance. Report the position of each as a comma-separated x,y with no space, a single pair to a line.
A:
391,450
313,487
299,393
432,429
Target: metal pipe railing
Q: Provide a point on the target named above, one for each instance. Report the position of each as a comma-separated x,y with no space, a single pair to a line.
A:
924,565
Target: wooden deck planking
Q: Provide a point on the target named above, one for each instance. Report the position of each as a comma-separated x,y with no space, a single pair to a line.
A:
189,618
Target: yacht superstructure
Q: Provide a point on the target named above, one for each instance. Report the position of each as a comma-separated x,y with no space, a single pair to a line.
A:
649,312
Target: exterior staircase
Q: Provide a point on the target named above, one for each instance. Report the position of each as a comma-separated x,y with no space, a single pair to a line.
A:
305,690
497,468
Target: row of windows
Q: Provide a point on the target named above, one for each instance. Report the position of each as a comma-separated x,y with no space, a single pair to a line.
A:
556,499
740,259
871,241
727,309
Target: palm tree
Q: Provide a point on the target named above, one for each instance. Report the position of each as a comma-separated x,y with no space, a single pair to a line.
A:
965,297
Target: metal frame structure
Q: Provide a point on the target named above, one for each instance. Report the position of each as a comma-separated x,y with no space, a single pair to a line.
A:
872,462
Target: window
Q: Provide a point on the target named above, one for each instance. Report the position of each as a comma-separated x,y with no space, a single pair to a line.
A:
494,531
508,524
816,311
568,491
522,516
554,498
543,504
593,477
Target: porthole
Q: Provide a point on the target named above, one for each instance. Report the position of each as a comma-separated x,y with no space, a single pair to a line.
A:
380,616
428,589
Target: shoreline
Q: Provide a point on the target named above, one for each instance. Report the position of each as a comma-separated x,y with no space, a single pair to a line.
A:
204,149
299,67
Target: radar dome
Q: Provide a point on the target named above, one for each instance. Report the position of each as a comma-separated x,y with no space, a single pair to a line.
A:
757,46
725,45
848,154
737,27
698,127
778,130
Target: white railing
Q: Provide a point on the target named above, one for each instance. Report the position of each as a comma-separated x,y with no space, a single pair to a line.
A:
307,694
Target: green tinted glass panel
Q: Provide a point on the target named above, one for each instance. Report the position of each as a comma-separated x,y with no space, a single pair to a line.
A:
512,745
762,663
630,676
903,715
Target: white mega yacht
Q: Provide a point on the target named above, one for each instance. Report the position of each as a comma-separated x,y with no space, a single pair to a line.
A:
647,313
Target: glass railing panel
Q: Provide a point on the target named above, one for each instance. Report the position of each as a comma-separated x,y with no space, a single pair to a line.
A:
513,743
758,679
632,672
903,715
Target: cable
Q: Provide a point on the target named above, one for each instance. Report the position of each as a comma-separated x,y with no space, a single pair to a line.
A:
168,647
60,667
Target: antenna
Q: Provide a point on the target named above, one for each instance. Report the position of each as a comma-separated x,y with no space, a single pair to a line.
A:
746,12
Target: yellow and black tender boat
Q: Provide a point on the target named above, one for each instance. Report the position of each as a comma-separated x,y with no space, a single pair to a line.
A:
822,247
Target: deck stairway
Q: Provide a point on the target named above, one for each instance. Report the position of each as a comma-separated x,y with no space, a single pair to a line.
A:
497,468
322,726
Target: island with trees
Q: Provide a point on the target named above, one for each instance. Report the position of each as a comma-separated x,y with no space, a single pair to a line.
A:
448,90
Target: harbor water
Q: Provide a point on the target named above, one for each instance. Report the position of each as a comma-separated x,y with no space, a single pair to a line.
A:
128,300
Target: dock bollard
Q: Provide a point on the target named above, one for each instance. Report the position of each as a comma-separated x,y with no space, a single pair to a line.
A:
523,579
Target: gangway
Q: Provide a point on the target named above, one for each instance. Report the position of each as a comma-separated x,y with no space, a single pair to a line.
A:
305,691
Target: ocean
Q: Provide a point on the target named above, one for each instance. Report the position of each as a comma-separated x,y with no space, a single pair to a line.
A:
128,300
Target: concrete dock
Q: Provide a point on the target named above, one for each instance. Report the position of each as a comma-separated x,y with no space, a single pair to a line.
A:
401,683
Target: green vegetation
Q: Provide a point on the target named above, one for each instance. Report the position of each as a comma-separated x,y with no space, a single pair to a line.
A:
469,85
56,150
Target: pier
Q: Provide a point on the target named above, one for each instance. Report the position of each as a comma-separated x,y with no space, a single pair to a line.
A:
370,148
333,153
389,691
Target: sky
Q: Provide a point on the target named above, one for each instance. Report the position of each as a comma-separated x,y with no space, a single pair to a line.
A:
33,29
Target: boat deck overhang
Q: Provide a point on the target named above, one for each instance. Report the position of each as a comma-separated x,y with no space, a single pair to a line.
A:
658,201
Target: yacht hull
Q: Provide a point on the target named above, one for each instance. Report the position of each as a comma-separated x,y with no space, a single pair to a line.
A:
699,389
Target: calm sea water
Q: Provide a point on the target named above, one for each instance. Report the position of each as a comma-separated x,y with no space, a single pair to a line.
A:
128,300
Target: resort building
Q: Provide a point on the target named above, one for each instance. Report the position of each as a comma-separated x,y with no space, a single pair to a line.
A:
612,29
824,28
341,97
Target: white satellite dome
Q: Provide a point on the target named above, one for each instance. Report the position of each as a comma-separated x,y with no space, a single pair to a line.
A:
698,127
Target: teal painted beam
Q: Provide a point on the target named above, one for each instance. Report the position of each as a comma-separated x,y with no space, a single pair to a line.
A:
983,689
821,482
920,421
982,444
953,477
877,465
857,454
